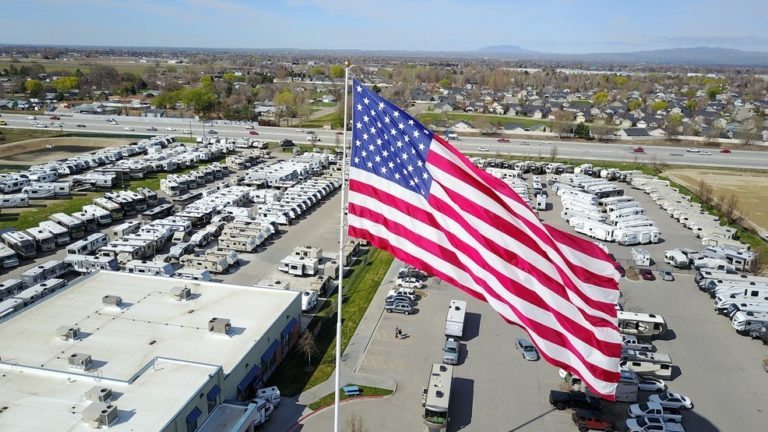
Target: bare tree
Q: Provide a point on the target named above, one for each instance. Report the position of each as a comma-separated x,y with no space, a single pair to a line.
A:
307,345
752,130
730,206
355,423
553,153
704,191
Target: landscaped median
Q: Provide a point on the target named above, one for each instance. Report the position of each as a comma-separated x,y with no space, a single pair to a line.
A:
365,392
295,374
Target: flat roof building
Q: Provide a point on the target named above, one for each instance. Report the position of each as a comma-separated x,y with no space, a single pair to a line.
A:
168,353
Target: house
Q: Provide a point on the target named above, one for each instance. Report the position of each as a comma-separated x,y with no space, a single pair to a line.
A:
634,132
442,107
421,95
514,128
642,124
463,126
156,113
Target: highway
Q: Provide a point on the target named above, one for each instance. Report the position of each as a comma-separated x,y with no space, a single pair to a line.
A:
525,148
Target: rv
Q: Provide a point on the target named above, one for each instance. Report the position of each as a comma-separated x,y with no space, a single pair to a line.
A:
454,322
724,299
676,258
21,243
127,204
10,287
593,229
114,209
308,300
641,324
210,262
75,226
43,272
761,307
38,291
229,256
103,217
541,202
60,234
180,249
239,244
89,263
641,257
12,201
193,274
88,245
139,200
88,220
8,258
646,368
653,357
125,228
436,398
153,268
201,238
159,212
43,239
749,323
150,195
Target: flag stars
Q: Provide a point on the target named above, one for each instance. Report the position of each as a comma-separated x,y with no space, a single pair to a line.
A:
359,107
365,119
365,100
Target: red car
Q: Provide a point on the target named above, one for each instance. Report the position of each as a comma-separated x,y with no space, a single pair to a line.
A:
253,132
646,274
503,140
725,150
55,117
638,149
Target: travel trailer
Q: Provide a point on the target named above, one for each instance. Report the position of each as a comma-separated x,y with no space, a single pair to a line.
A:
90,263
153,268
88,245
641,324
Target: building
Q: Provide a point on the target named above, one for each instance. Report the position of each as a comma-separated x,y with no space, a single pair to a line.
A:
140,353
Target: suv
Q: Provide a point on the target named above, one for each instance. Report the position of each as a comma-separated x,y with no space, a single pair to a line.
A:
400,307
287,143
562,400
451,351
586,420
390,300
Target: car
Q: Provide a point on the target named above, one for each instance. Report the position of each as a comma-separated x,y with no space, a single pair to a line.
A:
524,143
299,130
527,349
171,129
408,283
403,308
313,138
410,272
638,149
652,385
249,126
408,292
705,153
646,274
152,129
503,140
30,117
586,419
392,299
649,424
482,149
253,132
287,143
41,125
207,124
726,150
211,132
671,400
573,399
80,125
3,123
666,275
54,117
186,131
128,128
451,351
692,150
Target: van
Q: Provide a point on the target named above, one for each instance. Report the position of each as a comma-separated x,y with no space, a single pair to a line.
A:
271,394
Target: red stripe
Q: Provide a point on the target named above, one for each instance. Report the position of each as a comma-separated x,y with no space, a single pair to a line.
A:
582,273
555,337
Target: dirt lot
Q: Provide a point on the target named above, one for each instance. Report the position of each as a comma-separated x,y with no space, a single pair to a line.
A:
750,187
37,151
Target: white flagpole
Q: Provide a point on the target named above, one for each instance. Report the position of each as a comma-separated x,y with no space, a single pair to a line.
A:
339,294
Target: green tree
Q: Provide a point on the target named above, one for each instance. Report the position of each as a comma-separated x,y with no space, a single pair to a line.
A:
206,82
199,99
713,91
658,106
691,105
600,98
230,77
620,80
673,123
285,104
65,84
582,131
337,71
33,87
634,104
166,99
444,83
316,70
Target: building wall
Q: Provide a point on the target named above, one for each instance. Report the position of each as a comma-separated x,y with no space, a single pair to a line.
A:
200,401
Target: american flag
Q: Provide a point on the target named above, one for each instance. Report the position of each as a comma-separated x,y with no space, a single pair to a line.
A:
413,194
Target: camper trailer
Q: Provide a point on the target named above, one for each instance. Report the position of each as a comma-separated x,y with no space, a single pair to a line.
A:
641,257
48,270
88,245
13,201
193,274
212,263
90,263
749,323
641,324
676,258
153,268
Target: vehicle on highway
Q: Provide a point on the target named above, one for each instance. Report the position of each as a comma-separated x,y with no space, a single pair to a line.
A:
638,149
186,131
482,149
524,143
299,130
725,150
527,349
3,123
211,132
54,117
573,399
249,126
705,153
287,143
80,125
30,117
652,385
41,125
586,420
128,128
503,140
649,424
403,308
253,132
672,400
151,128
170,129
207,124
692,150
666,275
451,351
408,283
646,274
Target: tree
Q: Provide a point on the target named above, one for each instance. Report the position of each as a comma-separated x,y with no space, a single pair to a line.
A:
199,99
444,83
752,129
672,125
33,87
230,77
600,98
307,345
730,206
704,191
337,71
582,131
65,84
285,104
634,104
562,123
658,105
713,92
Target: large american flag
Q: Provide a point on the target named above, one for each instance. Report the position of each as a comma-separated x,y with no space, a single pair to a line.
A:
414,195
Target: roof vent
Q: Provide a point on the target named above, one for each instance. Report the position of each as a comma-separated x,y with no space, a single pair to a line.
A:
112,300
100,414
80,361
219,325
98,394
181,293
68,333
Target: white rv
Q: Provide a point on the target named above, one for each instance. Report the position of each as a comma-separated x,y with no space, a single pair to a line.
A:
454,322
12,201
641,324
641,257
75,226
88,245
676,258
8,258
60,234
153,268
90,263
193,274
125,228
43,239
103,217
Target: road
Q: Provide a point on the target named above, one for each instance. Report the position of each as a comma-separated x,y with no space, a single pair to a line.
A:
526,148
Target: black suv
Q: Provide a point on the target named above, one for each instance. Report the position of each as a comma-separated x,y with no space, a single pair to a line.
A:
562,400
287,143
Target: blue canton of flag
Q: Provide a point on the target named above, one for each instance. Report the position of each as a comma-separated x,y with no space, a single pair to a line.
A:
388,142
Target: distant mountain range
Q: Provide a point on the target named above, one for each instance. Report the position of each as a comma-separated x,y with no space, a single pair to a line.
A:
685,56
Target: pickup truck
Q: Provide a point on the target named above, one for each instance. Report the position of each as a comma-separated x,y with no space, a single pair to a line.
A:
562,400
633,343
653,409
648,424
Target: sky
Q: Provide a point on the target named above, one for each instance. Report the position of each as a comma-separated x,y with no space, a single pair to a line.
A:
558,26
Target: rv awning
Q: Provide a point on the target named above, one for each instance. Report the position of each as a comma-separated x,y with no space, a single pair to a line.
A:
214,393
249,377
289,327
270,352
194,415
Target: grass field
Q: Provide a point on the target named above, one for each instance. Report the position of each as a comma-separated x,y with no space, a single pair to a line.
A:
9,135
333,119
85,66
359,288
430,117
330,397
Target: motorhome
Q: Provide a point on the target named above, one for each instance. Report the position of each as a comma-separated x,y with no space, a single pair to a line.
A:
193,274
127,204
746,307
103,217
436,398
653,357
150,195
43,239
91,263
13,201
88,220
170,187
139,200
23,244
749,323
37,190
130,227
454,322
153,268
47,270
641,324
159,212
123,253
739,295
60,234
8,258
676,258
114,209
75,226
641,257
88,245
10,287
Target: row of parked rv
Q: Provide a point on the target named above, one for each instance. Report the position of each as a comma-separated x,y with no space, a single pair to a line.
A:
742,298
178,184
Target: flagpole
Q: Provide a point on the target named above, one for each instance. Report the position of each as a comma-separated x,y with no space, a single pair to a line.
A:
339,294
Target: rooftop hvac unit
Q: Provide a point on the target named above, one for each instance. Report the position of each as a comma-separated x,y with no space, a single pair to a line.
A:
68,333
219,325
98,394
80,361
112,300
181,293
99,414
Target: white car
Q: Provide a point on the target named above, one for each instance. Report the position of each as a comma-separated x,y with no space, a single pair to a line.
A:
408,283
249,127
652,384
128,128
672,400
186,131
41,125
30,118
170,129
482,149
692,150
705,153
649,424
654,410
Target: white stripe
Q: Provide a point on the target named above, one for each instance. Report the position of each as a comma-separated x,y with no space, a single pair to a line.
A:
597,266
552,350
561,305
